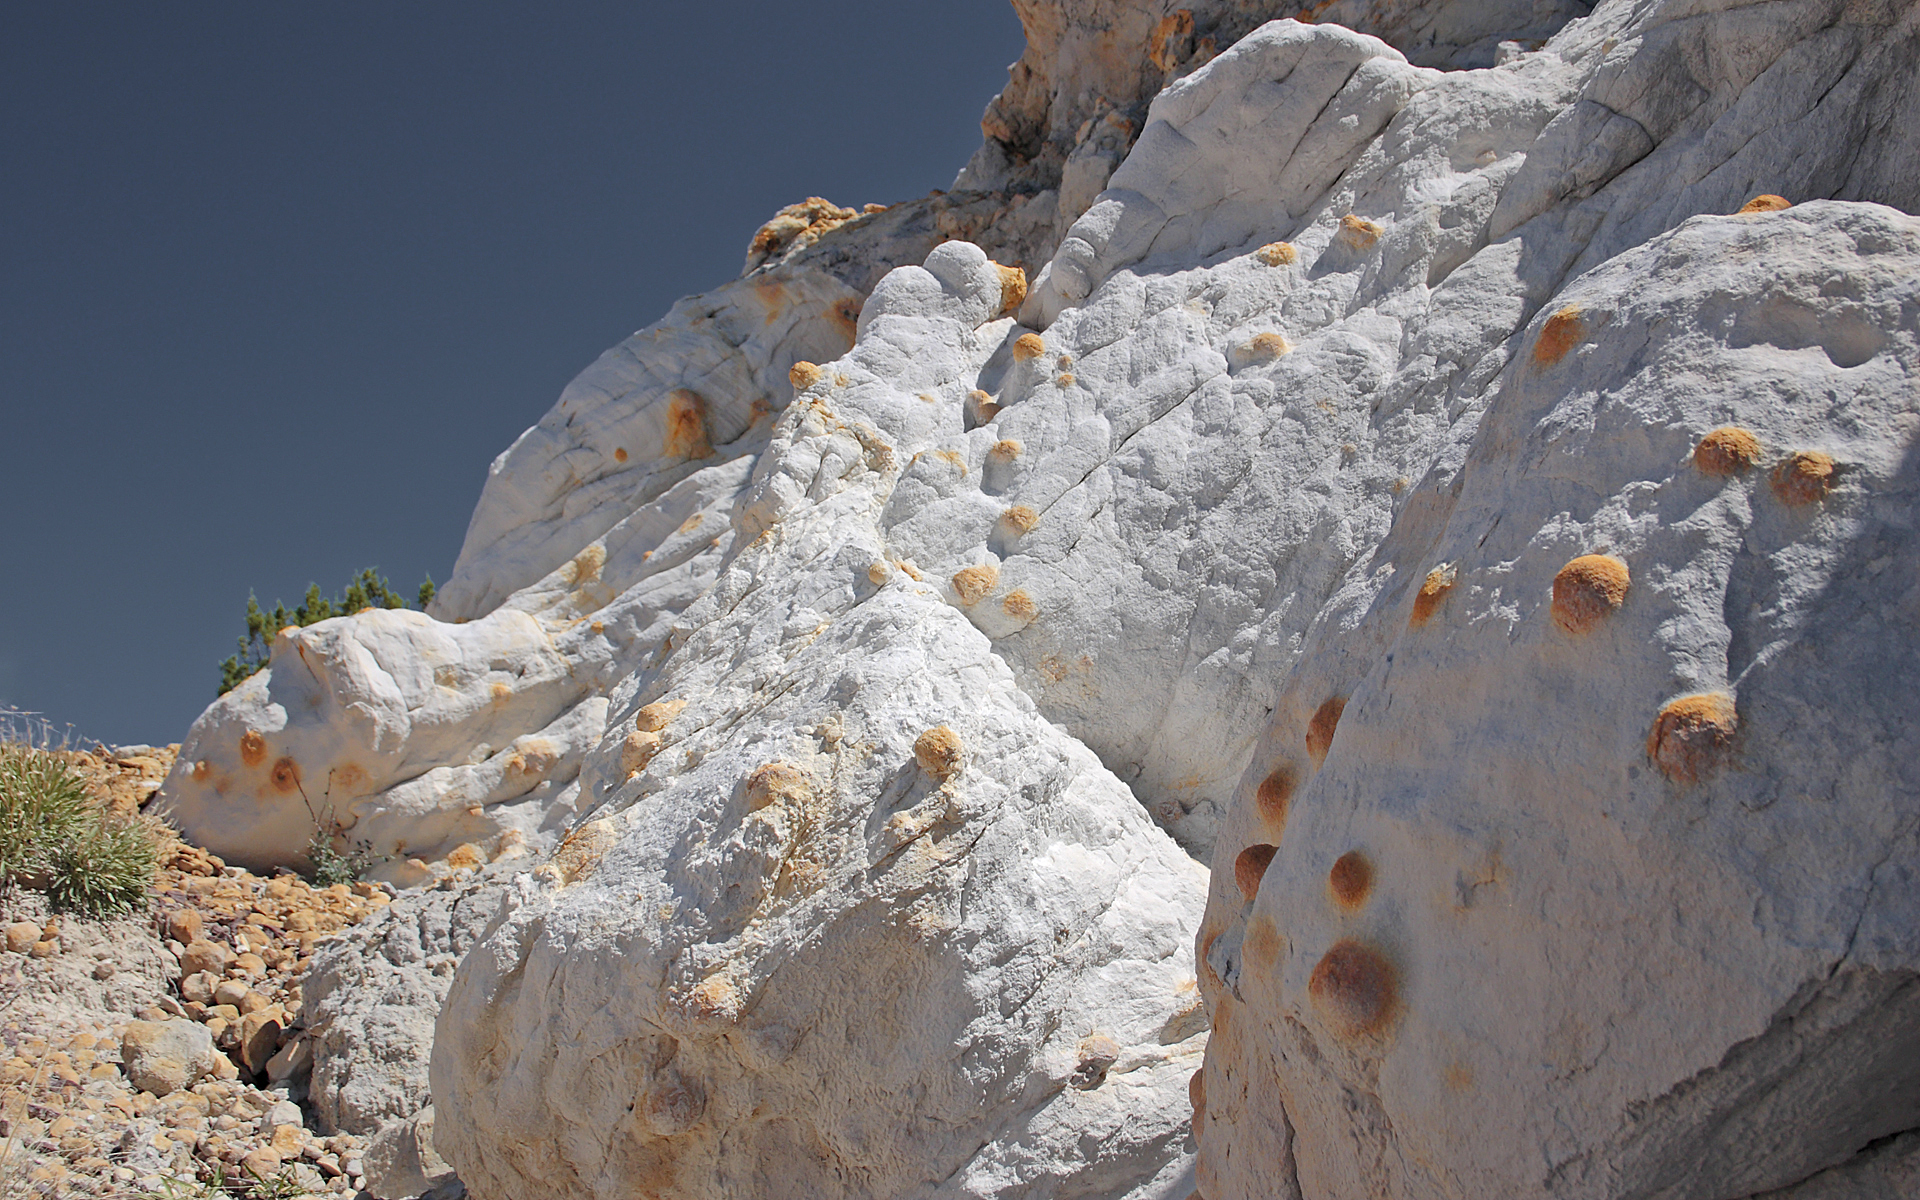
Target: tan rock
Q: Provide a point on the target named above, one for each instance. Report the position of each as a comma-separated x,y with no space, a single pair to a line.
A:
184,925
250,963
261,1164
21,935
203,955
260,1037
230,991
163,1056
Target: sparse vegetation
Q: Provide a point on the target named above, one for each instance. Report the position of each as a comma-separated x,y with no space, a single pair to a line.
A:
368,589
57,838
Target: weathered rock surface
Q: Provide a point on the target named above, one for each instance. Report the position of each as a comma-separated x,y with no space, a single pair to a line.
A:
1338,507
162,1057
373,992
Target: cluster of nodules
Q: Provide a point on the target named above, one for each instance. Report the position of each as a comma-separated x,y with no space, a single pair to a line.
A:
1353,986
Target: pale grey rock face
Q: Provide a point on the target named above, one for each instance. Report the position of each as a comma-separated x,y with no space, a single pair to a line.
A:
828,960
373,992
1239,538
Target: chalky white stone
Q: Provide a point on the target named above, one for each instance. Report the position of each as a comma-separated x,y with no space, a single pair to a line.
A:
1635,916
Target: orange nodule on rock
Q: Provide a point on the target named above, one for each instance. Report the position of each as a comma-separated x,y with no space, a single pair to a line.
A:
286,775
1351,879
1353,988
938,751
1805,477
1433,592
1019,606
687,435
1765,203
1728,450
1250,866
1277,254
1273,796
1265,347
619,454
777,782
253,747
1320,728
973,583
1028,346
1693,736
1020,518
1358,233
1588,590
1013,288
803,375
1562,332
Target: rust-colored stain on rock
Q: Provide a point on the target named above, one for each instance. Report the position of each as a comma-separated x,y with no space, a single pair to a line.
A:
1562,332
1353,988
1320,729
1351,879
1250,867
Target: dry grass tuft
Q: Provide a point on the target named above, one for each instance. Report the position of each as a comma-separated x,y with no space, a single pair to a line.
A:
1764,203
1013,288
1028,346
1358,233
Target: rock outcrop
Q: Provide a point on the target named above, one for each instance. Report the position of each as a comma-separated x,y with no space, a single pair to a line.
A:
1473,509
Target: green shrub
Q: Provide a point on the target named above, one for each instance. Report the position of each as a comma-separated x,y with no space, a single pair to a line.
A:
57,838
368,589
107,869
44,804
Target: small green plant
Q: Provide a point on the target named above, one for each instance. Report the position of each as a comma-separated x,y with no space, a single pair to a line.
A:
368,589
57,838
332,866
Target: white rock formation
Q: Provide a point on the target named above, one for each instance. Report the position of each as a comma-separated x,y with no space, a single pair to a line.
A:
1249,533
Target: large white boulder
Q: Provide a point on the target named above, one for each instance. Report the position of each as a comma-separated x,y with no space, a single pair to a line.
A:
876,709
862,922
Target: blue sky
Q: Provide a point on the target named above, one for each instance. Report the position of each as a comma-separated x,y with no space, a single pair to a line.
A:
280,280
